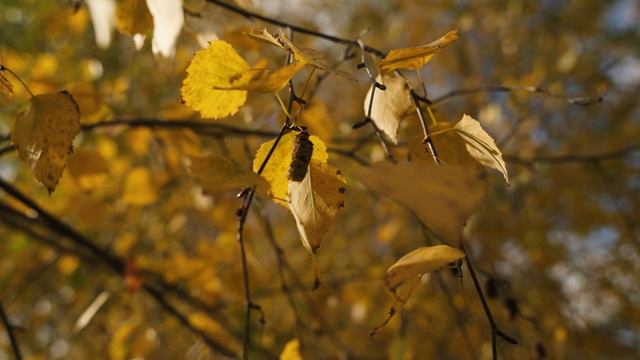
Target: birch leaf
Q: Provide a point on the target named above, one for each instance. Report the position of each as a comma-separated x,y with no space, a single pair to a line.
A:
139,189
443,197
103,17
291,351
217,174
389,105
420,261
481,145
168,19
43,135
414,58
133,17
264,80
277,169
314,202
6,88
217,66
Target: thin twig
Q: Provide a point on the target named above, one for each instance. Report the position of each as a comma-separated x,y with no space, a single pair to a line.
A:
563,159
576,100
12,338
426,140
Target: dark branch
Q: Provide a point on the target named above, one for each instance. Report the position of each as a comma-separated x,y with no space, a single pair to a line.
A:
12,338
564,159
577,100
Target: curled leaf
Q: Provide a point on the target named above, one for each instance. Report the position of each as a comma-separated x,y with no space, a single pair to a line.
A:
481,145
43,135
414,58
389,105
264,80
314,202
217,174
420,261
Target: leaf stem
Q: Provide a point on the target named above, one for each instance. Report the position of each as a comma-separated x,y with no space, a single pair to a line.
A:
24,85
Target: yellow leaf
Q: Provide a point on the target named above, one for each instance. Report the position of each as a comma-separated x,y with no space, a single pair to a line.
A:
43,135
481,145
67,264
419,261
217,66
314,202
389,105
88,168
6,88
443,197
120,342
133,17
277,169
451,149
217,173
415,57
291,351
138,188
316,117
264,80
211,327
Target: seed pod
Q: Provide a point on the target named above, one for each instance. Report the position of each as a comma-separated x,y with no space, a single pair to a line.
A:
302,151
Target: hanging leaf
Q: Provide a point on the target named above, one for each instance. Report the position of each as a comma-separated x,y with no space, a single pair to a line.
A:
443,197
43,135
217,66
6,88
168,18
103,17
414,58
420,261
217,174
277,169
481,145
291,351
264,80
133,17
314,202
389,105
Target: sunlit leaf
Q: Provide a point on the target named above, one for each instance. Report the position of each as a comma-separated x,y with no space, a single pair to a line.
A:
264,80
277,169
43,135
291,350
420,261
168,19
103,17
481,145
218,66
389,105
217,173
443,197
314,202
416,57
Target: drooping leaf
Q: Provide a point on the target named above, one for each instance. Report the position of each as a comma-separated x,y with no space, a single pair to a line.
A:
451,149
133,17
420,261
291,350
103,17
314,202
277,169
414,58
6,88
264,80
481,145
217,173
218,66
389,105
443,197
43,135
139,190
168,19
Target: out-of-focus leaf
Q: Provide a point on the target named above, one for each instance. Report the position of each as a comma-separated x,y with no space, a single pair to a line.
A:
419,261
389,105
103,17
291,350
481,145
43,135
277,169
443,197
217,173
415,57
88,168
218,66
168,18
6,88
133,17
203,322
139,190
314,202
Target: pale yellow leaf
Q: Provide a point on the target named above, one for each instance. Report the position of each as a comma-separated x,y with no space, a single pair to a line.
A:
139,190
168,19
389,105
314,202
103,17
133,17
277,169
419,261
291,350
218,66
217,173
43,135
481,145
6,88
415,57
443,197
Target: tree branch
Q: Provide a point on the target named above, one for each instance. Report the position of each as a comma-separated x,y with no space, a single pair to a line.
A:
577,100
564,159
12,338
